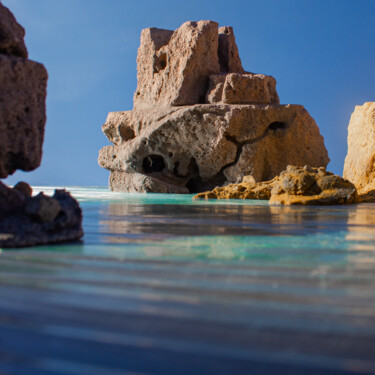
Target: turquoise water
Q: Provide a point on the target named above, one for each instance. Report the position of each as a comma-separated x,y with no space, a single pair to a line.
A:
165,285
168,226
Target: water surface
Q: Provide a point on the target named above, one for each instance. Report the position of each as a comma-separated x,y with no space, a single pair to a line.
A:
163,284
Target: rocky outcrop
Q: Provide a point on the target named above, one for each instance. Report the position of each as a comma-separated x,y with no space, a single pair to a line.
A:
359,165
38,220
200,121
22,100
26,220
294,186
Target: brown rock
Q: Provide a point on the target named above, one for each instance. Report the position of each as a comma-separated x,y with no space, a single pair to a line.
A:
22,114
243,190
22,100
312,186
229,58
176,72
43,208
204,146
178,143
23,188
294,186
359,165
48,220
11,34
234,88
26,220
10,200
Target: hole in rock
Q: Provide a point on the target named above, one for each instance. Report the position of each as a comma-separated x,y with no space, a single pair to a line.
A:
126,132
160,63
277,125
153,163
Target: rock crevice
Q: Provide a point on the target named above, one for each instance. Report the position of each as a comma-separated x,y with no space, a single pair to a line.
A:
200,120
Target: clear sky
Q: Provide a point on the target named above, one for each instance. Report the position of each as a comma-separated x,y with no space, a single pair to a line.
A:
322,53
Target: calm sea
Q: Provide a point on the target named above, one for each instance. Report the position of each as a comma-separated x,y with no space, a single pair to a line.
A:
163,284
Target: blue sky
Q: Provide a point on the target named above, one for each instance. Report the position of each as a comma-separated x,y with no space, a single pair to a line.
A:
322,54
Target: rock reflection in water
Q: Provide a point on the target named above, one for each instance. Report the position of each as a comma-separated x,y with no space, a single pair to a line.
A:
234,231
361,229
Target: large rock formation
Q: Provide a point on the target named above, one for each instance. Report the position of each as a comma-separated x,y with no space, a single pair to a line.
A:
294,186
22,100
26,220
359,165
200,121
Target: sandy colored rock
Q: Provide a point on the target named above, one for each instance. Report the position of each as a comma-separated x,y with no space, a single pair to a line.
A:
243,190
311,186
294,186
229,58
234,88
203,146
359,165
173,66
11,34
200,121
140,183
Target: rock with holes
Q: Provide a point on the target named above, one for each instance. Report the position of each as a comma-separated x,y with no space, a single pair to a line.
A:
203,146
22,100
294,186
200,121
359,165
174,66
27,220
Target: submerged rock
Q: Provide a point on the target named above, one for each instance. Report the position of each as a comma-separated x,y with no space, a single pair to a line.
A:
200,121
294,186
359,165
26,220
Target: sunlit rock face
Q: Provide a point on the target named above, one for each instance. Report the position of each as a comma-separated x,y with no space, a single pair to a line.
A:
27,220
359,165
200,121
294,186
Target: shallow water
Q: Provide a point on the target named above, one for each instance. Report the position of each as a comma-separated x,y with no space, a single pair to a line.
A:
163,284
171,226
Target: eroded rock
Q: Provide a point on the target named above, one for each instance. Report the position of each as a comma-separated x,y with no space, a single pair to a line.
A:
294,186
359,165
200,121
26,220
203,146
11,35
38,220
22,114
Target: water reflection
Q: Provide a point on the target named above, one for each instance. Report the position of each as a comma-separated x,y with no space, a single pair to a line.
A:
161,221
228,231
361,229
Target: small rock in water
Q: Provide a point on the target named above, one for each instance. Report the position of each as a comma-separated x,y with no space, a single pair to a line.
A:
294,186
